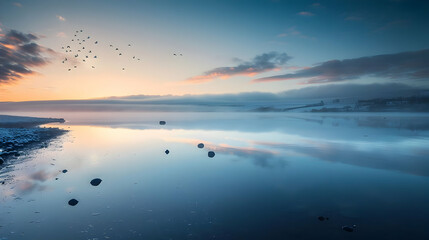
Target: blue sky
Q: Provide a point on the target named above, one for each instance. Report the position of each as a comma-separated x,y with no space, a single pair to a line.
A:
213,35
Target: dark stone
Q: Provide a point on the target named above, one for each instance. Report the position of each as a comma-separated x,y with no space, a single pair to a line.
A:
64,171
1,161
348,229
73,202
201,145
162,122
95,182
56,178
211,154
321,218
167,152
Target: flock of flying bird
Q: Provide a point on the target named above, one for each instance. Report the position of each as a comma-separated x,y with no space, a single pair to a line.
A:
80,49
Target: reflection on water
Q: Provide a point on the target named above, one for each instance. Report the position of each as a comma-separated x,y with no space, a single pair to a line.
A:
272,177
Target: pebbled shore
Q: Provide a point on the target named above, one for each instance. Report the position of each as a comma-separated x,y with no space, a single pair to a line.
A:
19,134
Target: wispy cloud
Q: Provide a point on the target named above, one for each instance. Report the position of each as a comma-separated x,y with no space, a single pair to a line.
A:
305,13
61,35
261,63
17,4
353,18
61,18
405,65
18,53
290,32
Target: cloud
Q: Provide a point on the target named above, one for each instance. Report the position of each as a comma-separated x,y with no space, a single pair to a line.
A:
17,4
353,18
292,31
306,14
405,65
261,63
61,35
18,53
61,18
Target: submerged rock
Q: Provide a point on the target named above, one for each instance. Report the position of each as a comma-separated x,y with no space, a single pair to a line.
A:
162,122
73,202
95,182
200,145
348,228
322,218
211,154
64,171
167,151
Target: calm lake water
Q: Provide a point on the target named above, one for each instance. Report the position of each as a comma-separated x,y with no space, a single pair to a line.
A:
273,175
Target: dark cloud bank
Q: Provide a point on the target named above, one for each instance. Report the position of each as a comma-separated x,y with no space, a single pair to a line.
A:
402,66
261,63
18,54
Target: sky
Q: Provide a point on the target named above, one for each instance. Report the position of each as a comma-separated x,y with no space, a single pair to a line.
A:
208,47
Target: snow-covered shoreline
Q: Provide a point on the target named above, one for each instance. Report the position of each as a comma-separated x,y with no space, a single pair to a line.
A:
19,134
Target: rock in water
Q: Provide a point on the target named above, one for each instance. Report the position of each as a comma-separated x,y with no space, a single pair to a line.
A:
162,122
167,152
349,229
201,145
321,218
211,154
95,182
64,171
1,161
73,202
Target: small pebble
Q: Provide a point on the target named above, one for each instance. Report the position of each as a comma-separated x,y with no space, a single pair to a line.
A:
167,151
348,228
201,145
211,154
73,202
322,218
162,122
95,182
64,171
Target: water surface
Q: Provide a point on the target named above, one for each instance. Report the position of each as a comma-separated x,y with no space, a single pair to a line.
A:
273,175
